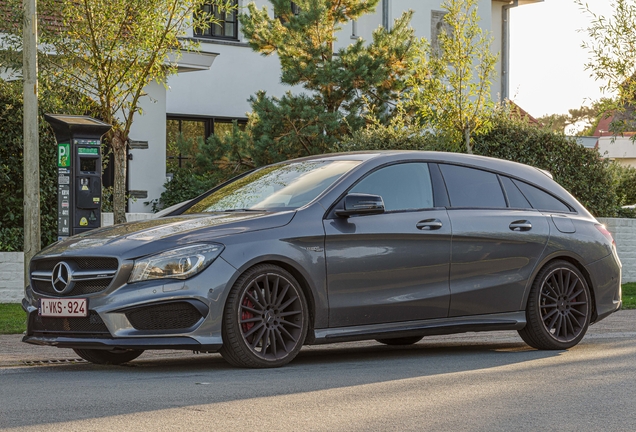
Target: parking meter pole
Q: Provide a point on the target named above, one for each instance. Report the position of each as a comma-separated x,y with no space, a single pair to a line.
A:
79,166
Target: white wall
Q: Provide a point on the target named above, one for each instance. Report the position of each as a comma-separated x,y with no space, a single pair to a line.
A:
147,169
237,73
11,277
621,149
624,233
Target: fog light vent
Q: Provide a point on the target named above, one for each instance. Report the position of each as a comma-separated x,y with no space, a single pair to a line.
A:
165,316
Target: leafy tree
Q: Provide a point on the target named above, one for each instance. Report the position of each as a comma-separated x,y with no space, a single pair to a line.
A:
111,50
341,86
611,46
452,78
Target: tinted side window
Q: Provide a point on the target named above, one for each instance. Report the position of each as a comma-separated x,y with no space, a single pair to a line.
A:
515,197
541,200
404,186
469,187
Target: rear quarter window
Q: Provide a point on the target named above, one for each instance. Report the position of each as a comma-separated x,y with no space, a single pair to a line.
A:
541,200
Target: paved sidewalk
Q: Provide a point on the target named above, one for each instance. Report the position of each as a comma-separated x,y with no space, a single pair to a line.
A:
13,352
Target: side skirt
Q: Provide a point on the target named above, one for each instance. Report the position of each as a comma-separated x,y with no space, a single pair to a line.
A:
442,326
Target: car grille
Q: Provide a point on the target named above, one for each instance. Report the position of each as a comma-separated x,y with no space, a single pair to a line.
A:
92,324
90,275
166,316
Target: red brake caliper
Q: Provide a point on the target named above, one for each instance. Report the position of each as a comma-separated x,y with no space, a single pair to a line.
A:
245,315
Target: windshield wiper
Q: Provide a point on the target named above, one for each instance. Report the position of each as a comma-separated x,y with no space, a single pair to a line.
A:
242,210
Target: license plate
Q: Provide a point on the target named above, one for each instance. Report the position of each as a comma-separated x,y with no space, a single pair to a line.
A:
63,308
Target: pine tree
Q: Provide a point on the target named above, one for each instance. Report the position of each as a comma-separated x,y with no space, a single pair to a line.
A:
340,86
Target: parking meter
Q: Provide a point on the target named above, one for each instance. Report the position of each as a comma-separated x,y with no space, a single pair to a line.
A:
79,169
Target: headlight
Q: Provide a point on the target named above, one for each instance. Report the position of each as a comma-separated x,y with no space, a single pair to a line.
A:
180,263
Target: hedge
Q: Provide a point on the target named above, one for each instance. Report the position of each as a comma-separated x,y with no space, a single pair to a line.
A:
11,161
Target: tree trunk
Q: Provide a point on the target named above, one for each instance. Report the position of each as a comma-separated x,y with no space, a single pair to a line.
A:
469,149
119,188
31,152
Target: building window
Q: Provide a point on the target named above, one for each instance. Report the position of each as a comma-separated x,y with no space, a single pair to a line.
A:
438,26
225,25
185,135
295,9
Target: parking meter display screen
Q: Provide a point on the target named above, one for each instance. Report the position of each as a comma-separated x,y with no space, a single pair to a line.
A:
88,164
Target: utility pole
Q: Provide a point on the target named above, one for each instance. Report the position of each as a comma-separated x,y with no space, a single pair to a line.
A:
31,150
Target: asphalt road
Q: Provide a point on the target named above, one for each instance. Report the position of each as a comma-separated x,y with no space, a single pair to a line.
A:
476,382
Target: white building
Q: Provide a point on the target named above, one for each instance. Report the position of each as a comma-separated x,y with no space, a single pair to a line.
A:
213,86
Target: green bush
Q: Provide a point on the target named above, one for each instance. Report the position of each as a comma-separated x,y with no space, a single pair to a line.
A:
11,161
11,239
625,177
396,136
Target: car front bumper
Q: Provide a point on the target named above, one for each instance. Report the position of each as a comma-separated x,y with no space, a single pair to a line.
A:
130,316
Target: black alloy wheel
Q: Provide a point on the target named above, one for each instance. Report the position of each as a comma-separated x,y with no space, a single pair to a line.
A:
401,341
265,319
106,357
559,308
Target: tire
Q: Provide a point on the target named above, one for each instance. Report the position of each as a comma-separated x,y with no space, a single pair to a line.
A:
401,341
105,357
265,319
559,308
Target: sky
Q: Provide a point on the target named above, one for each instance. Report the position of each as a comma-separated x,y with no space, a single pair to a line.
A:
547,74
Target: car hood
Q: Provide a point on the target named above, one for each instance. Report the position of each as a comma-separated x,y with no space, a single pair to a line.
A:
135,239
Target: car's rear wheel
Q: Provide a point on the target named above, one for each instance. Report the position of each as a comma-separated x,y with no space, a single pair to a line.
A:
265,319
559,308
106,357
401,341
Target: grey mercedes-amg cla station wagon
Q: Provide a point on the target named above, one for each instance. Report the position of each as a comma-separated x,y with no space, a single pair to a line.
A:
391,246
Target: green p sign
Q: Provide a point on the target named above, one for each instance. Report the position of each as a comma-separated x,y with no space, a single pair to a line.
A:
63,155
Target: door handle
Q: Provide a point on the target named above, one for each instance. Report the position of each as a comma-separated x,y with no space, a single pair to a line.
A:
429,224
521,225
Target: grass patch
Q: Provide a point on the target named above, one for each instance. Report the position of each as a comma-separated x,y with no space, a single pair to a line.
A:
629,295
12,318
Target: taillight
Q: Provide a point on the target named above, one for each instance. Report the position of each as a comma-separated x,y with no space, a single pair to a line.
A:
606,233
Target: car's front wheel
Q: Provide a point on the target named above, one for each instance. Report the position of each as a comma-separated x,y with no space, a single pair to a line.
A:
559,308
265,319
106,357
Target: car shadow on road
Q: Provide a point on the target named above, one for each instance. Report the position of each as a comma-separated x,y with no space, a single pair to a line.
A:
154,383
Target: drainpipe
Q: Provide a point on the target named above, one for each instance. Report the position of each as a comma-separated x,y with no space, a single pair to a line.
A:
385,14
505,48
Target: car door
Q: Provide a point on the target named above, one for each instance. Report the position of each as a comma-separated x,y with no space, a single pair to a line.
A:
498,240
393,266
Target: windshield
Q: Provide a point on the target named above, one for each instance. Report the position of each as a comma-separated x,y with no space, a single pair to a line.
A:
280,187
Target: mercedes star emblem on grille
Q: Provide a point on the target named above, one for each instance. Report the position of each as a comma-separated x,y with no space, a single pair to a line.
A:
62,278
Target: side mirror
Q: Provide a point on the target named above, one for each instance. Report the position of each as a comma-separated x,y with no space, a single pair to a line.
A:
361,204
